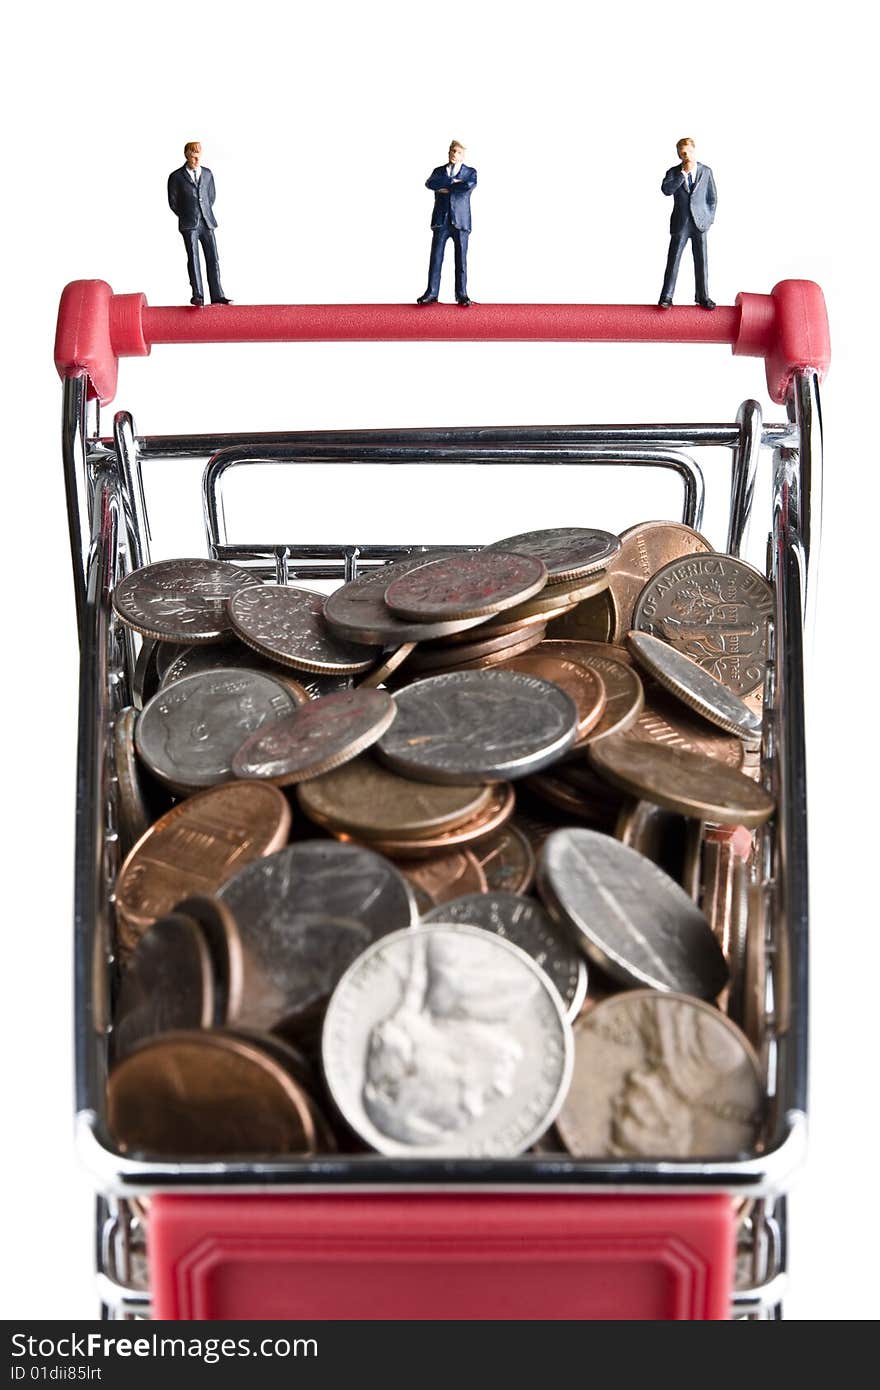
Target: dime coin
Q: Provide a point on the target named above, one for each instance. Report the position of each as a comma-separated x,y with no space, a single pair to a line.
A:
478,726
569,552
387,666
468,585
644,550
446,876
447,1041
180,600
631,918
134,818
661,1076
191,661
312,879
592,620
168,652
195,847
664,721
714,609
583,683
207,1094
220,933
524,922
358,611
168,983
497,811
688,783
507,860
190,731
531,637
287,625
441,655
365,799
318,737
624,692
502,626
693,685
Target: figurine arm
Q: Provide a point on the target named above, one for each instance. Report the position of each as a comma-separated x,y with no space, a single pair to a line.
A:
439,180
172,194
711,194
468,183
672,179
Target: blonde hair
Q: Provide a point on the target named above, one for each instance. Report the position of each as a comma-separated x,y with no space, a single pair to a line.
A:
685,140
456,145
192,145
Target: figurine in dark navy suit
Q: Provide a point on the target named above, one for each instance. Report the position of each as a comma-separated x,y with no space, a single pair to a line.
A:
693,212
451,185
191,199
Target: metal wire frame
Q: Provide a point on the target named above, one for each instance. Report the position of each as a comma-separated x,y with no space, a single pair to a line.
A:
104,485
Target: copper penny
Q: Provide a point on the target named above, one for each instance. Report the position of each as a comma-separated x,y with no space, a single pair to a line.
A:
469,585
624,692
645,549
195,847
499,810
439,656
222,938
716,610
180,600
507,860
583,683
556,599
494,627
666,722
207,1094
725,904
446,876
365,799
318,737
688,783
589,621
386,667
528,639
595,804
168,983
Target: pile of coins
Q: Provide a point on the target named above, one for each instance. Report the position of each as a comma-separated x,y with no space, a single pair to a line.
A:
459,860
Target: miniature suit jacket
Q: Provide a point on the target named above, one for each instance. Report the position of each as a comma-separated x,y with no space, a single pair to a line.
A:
452,209
191,201
699,204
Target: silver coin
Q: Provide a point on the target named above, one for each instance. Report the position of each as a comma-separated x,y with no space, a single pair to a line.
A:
488,726
190,731
189,661
638,926
180,600
144,676
134,818
292,964
715,609
524,922
320,736
661,1076
358,611
693,685
468,585
569,552
447,1041
287,625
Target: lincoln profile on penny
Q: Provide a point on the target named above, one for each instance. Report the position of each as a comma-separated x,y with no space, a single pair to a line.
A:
452,184
692,188
191,198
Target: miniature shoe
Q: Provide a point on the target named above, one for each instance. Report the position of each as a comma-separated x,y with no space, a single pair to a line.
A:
197,301
464,302
664,303
427,299
706,303
221,301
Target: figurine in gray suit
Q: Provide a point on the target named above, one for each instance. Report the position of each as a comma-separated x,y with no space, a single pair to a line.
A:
191,199
692,187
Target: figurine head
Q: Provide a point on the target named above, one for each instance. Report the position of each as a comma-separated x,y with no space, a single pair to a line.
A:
456,152
685,148
192,153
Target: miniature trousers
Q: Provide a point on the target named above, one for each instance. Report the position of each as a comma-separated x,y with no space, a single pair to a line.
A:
677,242
204,235
438,246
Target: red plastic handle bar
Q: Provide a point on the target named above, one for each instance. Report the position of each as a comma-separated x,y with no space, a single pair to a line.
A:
788,327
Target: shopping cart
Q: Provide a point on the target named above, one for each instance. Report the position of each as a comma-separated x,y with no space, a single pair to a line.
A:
544,1235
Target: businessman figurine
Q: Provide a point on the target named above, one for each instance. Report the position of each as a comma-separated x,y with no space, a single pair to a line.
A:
451,185
693,212
191,199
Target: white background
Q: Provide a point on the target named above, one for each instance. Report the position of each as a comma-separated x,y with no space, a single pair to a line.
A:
321,127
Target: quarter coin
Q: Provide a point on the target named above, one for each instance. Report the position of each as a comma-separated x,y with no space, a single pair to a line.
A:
524,922
190,731
694,686
358,612
714,609
468,585
168,983
180,600
447,1041
645,549
639,926
661,1076
569,552
206,1094
321,735
688,783
478,726
287,625
195,847
366,799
